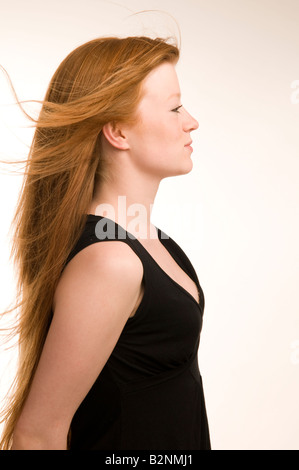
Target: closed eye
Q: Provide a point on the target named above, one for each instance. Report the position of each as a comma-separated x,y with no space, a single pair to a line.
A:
176,110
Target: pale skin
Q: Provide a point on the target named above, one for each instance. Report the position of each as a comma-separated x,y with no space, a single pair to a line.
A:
101,287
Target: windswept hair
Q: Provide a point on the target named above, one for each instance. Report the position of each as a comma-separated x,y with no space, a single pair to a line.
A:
99,82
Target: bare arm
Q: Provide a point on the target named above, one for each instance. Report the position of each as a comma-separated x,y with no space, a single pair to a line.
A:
94,298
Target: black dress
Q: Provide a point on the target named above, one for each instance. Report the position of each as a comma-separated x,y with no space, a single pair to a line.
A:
149,395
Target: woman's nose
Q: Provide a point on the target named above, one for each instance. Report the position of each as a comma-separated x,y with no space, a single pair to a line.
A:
190,123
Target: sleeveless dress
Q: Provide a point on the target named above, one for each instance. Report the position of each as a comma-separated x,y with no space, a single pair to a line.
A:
149,395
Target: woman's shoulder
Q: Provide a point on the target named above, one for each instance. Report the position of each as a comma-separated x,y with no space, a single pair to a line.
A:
108,266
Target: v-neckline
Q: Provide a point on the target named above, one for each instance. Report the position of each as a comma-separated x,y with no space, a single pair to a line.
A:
156,263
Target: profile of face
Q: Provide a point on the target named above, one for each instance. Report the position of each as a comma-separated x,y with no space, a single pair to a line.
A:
157,143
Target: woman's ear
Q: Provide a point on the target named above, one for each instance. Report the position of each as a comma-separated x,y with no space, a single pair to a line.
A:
115,136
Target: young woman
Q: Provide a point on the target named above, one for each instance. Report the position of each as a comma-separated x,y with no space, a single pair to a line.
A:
109,319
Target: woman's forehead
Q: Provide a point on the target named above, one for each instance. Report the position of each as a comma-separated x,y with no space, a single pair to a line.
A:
162,82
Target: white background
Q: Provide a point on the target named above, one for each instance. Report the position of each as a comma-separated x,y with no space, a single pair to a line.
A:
235,214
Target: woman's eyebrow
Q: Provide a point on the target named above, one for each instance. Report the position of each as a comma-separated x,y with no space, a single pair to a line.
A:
175,94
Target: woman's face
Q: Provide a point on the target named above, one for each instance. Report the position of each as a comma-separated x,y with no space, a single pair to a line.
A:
159,141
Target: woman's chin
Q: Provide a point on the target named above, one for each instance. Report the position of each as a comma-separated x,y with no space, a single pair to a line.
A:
187,166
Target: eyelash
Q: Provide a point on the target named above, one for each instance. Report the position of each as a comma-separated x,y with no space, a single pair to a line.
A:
175,110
